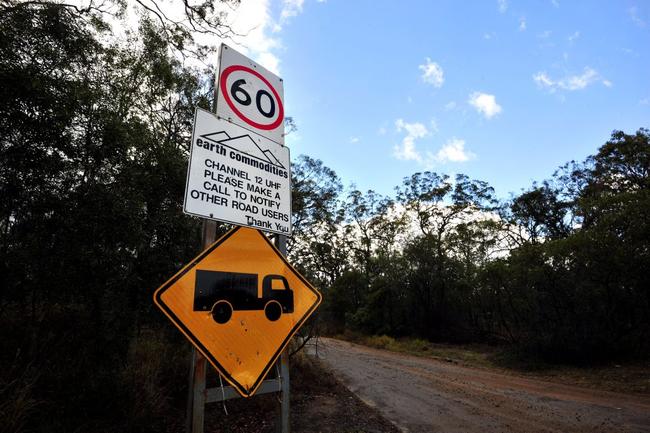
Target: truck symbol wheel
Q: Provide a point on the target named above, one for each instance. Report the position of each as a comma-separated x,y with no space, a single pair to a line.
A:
273,310
221,311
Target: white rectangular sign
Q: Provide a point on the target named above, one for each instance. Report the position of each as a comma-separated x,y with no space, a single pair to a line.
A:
237,177
250,95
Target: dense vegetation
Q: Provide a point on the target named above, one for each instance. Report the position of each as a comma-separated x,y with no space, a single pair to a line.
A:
559,272
93,150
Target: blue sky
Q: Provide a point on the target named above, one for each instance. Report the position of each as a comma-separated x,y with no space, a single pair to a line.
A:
503,91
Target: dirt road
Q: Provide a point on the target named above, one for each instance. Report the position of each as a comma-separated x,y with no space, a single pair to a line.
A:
426,395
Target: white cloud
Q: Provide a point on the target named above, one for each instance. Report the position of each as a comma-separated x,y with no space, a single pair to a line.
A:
451,105
291,8
485,104
522,24
260,40
432,73
545,40
250,23
503,5
406,151
543,80
633,12
433,124
253,20
381,131
270,61
454,151
571,82
574,36
293,139
630,52
354,140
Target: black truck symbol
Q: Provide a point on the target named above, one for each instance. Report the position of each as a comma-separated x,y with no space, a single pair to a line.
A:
221,293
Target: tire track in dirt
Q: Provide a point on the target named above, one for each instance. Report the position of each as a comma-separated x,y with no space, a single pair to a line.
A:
428,395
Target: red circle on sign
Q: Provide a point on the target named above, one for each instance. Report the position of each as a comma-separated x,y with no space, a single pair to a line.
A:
222,84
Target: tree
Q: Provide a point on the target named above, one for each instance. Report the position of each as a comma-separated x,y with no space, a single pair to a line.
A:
93,153
440,209
371,229
542,213
617,173
315,245
579,292
198,21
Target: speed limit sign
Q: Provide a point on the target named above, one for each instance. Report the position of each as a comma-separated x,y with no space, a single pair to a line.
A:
250,96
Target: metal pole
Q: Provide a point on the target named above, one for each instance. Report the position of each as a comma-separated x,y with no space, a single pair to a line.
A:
285,409
196,390
197,393
190,393
284,425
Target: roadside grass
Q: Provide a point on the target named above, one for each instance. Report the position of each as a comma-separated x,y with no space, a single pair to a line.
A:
628,377
17,402
470,355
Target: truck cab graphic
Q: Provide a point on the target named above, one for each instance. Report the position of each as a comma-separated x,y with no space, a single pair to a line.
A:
221,293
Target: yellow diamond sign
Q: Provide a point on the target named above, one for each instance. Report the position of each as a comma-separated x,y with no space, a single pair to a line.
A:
239,303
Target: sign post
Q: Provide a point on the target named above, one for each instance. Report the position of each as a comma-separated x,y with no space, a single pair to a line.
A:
239,302
198,364
284,425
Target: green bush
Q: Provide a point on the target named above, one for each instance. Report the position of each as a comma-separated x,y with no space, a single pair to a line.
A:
381,342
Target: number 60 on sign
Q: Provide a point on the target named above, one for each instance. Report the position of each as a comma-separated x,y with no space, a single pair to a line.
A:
250,95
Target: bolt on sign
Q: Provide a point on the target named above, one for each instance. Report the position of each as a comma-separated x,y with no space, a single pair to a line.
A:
237,177
239,303
250,96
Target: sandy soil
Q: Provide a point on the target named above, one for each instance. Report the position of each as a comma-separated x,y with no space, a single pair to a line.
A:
319,404
427,395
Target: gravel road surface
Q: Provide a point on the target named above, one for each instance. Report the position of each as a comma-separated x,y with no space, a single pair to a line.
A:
428,395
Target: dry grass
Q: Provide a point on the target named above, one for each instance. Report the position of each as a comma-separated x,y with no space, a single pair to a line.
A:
17,402
471,355
145,380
